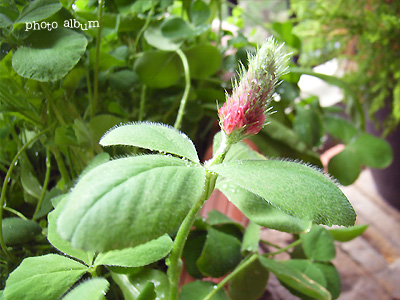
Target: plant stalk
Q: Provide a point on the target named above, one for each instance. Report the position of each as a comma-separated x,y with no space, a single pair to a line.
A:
185,95
45,184
96,65
5,183
175,262
220,285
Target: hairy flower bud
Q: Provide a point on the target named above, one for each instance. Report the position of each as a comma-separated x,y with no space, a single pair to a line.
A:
244,112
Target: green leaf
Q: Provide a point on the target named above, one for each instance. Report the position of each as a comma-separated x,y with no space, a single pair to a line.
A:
176,29
297,190
345,166
123,80
332,278
197,290
339,128
92,289
39,10
260,211
138,256
203,55
6,17
192,251
347,234
61,244
131,201
155,37
373,151
295,279
100,124
49,55
43,277
309,269
158,69
249,283
221,254
152,136
216,217
251,238
199,12
29,181
18,231
138,284
148,292
318,244
308,125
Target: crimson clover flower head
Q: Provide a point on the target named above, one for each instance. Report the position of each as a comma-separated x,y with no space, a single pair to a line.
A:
245,111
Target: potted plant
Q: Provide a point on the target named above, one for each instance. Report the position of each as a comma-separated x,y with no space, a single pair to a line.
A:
365,34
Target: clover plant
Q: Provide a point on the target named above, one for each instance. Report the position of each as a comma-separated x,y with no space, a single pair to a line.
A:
121,228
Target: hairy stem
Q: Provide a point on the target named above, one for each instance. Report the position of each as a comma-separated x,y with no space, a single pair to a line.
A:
185,95
175,262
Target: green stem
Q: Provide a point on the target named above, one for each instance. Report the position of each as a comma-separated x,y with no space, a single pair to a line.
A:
146,24
45,184
270,244
294,244
5,183
96,64
220,285
182,106
142,103
15,212
175,262
61,166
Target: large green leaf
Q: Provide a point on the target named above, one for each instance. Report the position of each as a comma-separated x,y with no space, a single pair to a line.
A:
197,290
296,189
221,254
260,211
138,256
318,244
332,278
130,201
152,136
49,55
18,231
61,244
39,10
295,279
93,289
43,277
192,251
158,69
249,283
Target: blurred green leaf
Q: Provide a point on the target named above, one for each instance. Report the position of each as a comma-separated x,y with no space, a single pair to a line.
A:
204,60
308,126
251,238
372,151
39,10
221,254
347,233
192,251
158,69
295,279
199,12
18,231
249,283
345,166
49,55
197,290
318,244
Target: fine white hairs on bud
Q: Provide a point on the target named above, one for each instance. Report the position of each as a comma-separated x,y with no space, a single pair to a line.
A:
244,112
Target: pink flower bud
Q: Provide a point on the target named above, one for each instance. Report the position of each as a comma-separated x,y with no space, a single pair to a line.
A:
244,112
